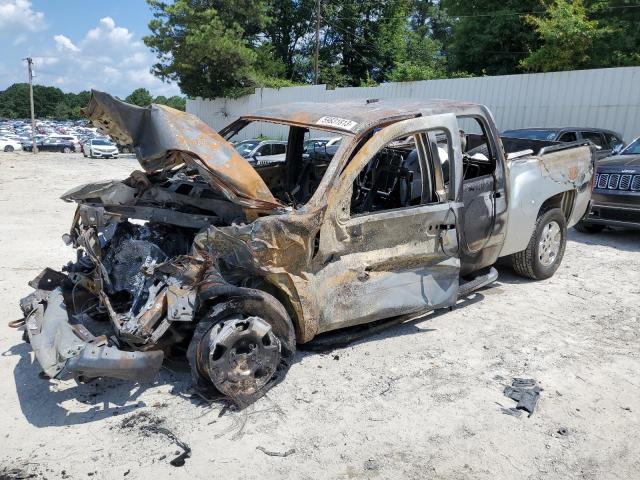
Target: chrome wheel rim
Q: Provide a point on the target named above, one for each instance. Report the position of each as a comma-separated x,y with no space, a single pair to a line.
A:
242,354
549,245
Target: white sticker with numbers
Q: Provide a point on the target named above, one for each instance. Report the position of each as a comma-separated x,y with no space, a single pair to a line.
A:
337,122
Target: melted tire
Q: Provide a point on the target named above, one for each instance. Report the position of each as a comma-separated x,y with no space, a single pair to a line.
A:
256,304
527,263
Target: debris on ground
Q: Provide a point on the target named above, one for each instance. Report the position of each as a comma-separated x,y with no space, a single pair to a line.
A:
512,411
15,473
564,431
148,423
525,391
291,451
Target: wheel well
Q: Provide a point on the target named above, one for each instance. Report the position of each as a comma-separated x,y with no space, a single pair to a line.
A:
564,201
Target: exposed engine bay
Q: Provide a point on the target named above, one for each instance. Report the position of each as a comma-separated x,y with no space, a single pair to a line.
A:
152,256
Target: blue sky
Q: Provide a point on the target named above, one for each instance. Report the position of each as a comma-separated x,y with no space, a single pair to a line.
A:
78,45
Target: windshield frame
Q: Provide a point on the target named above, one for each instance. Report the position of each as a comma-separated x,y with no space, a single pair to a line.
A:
347,144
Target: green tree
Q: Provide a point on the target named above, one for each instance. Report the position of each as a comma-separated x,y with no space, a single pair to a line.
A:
490,36
422,60
177,102
140,97
619,43
208,47
567,37
14,101
287,30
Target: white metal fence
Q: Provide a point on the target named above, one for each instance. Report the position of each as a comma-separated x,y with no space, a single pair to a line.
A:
605,98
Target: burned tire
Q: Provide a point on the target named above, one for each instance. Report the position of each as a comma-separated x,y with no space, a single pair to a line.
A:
545,250
66,150
242,347
585,227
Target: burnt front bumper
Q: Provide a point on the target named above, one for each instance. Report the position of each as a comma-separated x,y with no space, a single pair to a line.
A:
68,350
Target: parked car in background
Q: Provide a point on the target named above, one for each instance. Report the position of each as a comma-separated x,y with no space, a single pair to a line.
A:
100,148
262,151
616,192
315,143
9,145
606,141
52,144
70,138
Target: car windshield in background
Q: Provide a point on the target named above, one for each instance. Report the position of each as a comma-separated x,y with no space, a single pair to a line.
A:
531,134
101,142
245,148
633,148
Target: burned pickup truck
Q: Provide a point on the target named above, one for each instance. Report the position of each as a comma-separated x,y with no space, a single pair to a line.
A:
200,254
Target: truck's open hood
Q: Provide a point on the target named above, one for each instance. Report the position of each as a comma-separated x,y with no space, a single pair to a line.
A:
164,137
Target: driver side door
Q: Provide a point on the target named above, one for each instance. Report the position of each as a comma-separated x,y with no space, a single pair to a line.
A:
379,264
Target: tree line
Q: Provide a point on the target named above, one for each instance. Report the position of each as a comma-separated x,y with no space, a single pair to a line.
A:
51,102
214,48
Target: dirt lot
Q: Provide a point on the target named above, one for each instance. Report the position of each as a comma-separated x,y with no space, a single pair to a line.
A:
422,400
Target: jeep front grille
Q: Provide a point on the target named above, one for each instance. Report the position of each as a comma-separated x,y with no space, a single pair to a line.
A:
603,180
615,181
625,182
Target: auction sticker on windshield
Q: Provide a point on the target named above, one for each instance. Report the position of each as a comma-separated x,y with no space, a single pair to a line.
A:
337,122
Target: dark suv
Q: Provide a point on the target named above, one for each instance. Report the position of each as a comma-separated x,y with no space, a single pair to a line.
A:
616,192
607,142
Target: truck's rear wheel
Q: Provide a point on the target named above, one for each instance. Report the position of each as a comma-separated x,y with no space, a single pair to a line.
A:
545,250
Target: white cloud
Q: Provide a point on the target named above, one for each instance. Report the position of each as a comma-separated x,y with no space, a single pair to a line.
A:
107,57
19,39
106,31
45,61
63,43
18,14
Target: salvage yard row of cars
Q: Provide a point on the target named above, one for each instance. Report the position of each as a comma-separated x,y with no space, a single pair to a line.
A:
58,136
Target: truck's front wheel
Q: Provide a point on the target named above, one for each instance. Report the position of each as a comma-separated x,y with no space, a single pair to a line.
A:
545,250
243,346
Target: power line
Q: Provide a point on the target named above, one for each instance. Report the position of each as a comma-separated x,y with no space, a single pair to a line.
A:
488,14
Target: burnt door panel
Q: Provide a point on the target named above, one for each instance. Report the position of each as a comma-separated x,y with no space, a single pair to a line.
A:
377,265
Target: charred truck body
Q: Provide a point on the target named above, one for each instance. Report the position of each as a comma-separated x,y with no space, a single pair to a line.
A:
201,254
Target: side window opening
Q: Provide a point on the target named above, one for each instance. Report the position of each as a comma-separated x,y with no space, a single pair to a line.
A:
399,175
279,149
478,154
568,137
594,137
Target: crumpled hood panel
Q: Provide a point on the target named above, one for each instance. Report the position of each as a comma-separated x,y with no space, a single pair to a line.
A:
163,138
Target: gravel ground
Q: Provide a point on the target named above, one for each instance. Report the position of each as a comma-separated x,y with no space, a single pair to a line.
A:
422,400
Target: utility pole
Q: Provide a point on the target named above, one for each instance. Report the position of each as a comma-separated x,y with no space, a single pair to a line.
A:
33,118
317,40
